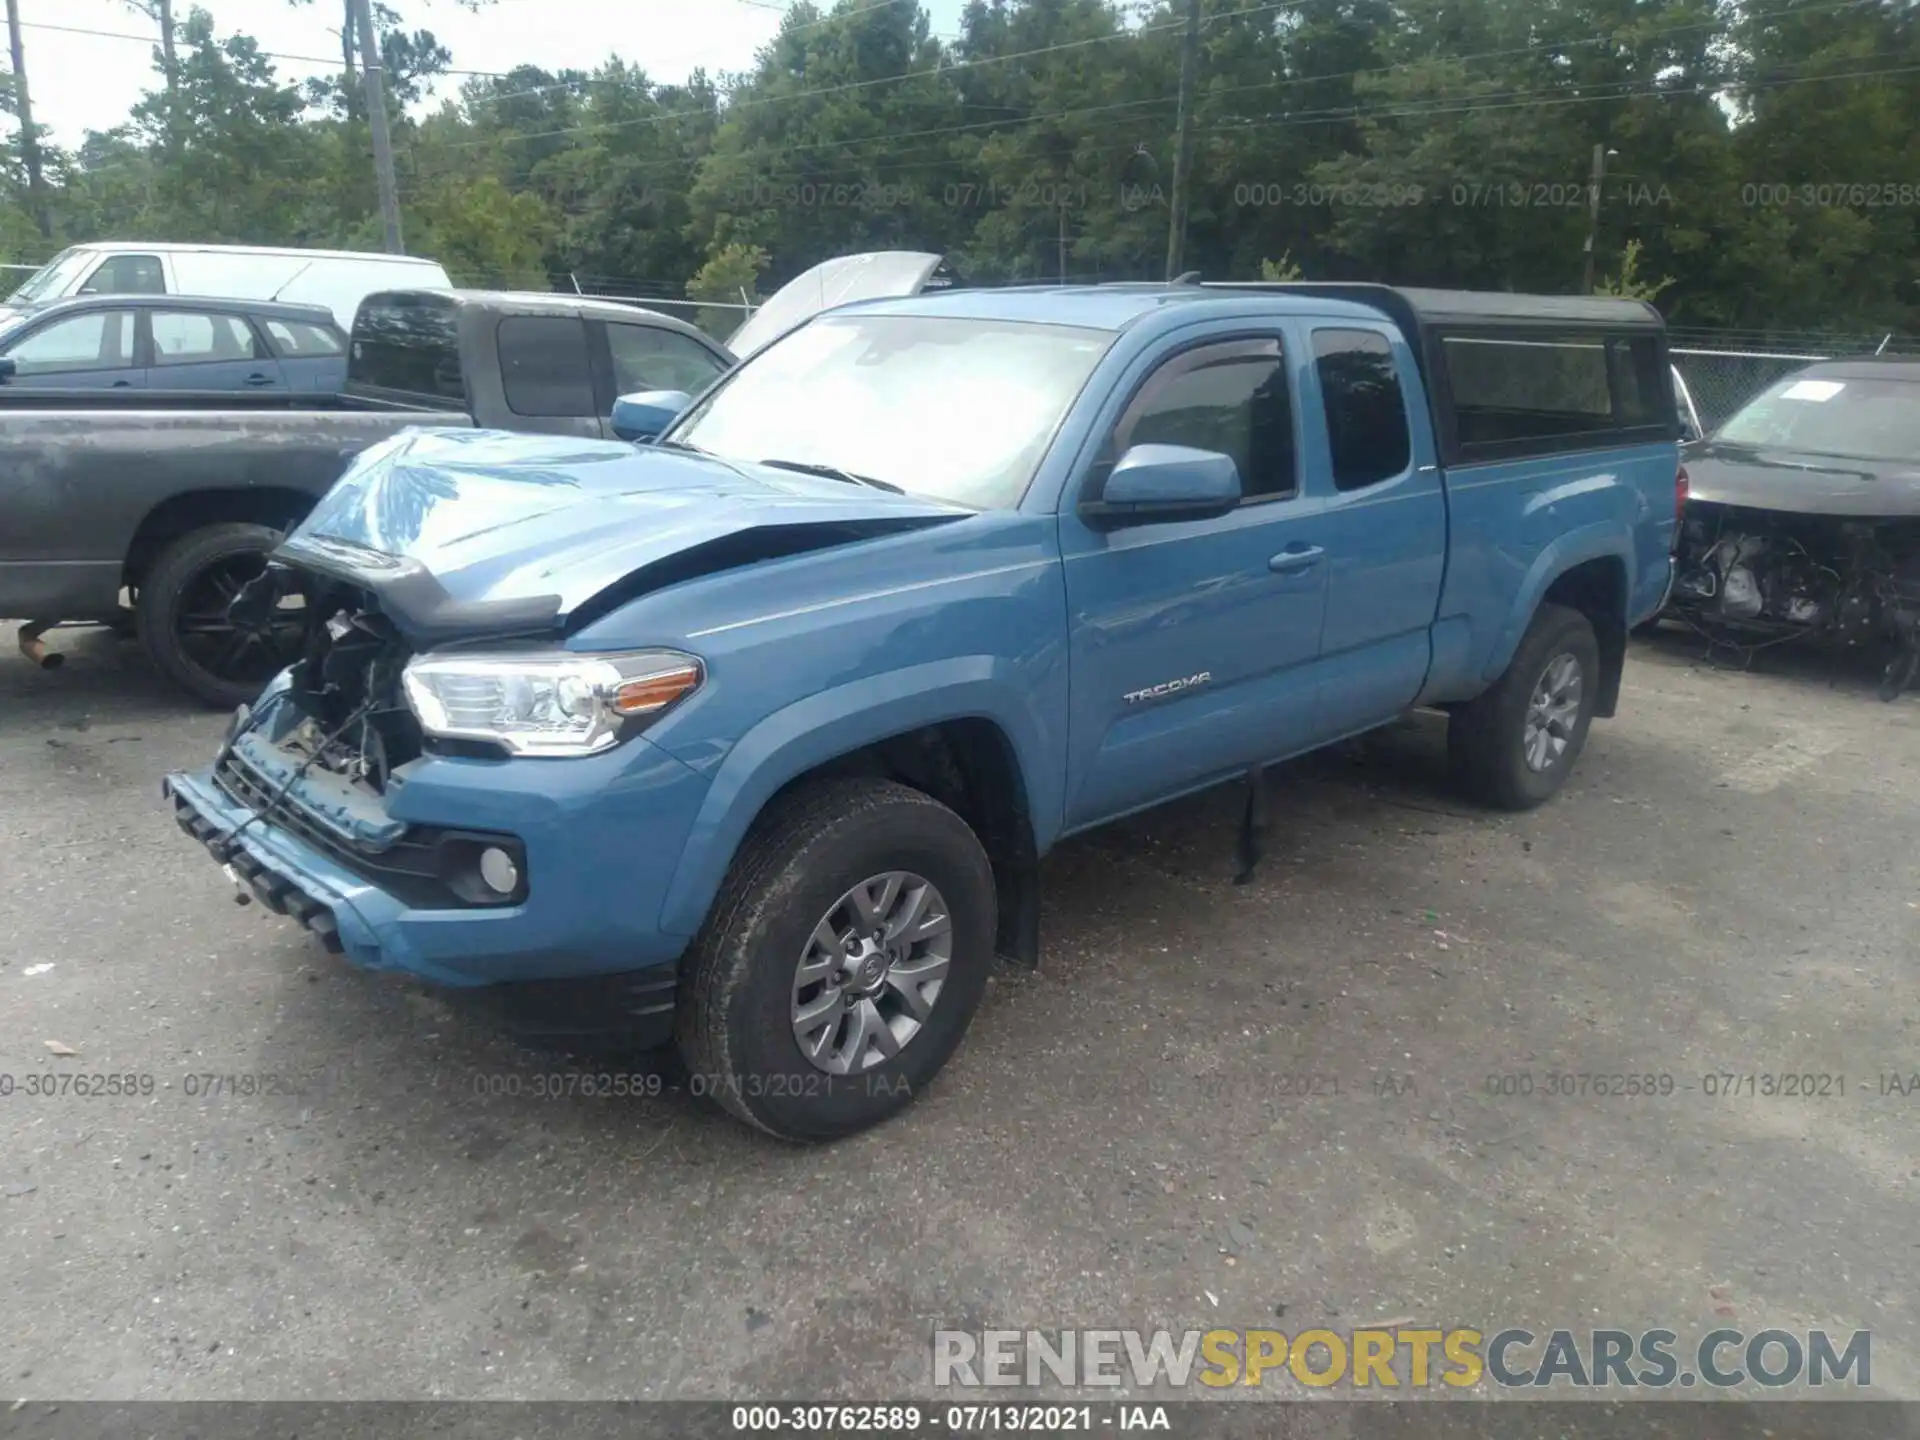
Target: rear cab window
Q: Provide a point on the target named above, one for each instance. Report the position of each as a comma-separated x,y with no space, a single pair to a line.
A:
408,345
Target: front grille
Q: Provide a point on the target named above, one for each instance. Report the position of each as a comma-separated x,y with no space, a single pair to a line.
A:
411,869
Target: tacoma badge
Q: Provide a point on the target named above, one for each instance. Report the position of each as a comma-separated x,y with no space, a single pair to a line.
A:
1167,687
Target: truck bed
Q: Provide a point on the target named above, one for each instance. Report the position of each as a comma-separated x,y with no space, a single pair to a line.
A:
245,402
131,453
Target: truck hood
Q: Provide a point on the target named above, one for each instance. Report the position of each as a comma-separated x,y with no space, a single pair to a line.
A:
875,275
464,533
1803,484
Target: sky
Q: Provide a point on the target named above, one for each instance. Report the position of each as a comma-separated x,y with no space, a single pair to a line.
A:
82,82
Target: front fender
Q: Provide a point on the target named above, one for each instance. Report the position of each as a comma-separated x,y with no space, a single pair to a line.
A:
837,722
1598,541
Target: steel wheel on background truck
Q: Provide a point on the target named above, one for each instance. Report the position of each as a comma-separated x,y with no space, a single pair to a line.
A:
181,613
1514,745
842,961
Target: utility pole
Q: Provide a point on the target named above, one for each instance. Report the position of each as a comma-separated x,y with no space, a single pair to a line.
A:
1600,153
377,122
1183,143
170,58
161,13
23,111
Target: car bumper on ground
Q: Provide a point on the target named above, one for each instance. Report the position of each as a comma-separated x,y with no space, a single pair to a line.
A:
581,951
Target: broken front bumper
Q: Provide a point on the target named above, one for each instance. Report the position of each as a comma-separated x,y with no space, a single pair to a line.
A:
601,837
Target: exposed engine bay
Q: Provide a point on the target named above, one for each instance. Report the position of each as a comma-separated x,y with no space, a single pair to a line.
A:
1750,578
346,685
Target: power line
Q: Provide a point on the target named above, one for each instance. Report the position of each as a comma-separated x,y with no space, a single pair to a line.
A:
692,163
1344,114
784,31
150,40
850,85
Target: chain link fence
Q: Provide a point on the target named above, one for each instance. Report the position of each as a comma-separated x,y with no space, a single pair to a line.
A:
1721,381
1723,375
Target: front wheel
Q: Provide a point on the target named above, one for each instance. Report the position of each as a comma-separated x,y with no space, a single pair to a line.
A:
842,961
181,612
1513,746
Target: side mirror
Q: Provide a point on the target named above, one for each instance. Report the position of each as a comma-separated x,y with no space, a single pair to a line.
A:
647,415
9,367
1166,482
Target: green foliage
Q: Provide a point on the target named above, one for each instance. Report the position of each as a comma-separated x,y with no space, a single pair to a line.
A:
1628,284
1281,269
732,273
1761,164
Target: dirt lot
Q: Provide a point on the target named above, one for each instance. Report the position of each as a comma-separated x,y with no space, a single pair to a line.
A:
1256,1106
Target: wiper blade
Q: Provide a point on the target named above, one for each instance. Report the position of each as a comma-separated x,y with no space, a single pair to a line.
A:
833,472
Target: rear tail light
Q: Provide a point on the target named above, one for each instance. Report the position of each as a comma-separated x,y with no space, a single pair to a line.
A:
1680,493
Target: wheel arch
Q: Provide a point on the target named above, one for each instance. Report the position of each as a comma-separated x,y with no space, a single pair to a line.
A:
1588,570
184,513
968,741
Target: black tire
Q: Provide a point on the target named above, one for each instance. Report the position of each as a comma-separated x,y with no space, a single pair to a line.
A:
183,588
735,1020
1487,737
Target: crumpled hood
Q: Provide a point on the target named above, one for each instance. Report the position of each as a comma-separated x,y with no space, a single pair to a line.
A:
1802,484
469,531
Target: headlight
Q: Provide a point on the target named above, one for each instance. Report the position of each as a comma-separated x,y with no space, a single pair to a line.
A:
549,702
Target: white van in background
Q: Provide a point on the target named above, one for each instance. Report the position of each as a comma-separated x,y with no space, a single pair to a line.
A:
338,279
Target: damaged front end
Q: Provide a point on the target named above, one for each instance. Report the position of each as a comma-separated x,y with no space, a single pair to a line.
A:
1803,521
341,708
1750,578
318,758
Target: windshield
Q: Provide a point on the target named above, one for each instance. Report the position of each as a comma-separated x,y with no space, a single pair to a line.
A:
1870,419
959,410
53,279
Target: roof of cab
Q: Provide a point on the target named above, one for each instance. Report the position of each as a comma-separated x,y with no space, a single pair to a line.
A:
171,247
261,309
550,302
1416,311
1104,307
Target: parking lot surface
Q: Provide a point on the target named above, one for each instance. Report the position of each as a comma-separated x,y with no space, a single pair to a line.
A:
1299,1102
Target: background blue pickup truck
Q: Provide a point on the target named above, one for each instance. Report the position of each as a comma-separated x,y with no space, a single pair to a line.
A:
752,736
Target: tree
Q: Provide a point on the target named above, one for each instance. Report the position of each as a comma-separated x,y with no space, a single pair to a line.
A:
823,148
1760,151
1628,284
160,12
731,276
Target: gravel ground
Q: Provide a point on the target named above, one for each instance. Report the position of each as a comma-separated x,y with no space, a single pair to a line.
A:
1213,1105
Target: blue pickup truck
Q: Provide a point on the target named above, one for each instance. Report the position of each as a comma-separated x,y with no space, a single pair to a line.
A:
751,736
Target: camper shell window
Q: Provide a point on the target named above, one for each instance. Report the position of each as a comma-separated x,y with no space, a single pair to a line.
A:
1516,376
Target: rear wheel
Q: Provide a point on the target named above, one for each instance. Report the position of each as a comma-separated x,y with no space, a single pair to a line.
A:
183,621
842,962
1514,746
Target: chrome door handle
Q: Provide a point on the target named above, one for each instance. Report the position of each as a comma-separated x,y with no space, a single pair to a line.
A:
1295,558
